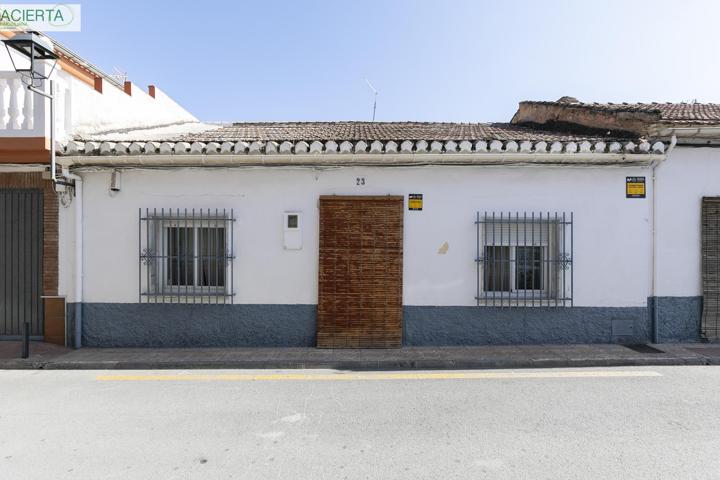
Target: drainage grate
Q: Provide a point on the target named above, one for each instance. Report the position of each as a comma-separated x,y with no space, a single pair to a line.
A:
642,348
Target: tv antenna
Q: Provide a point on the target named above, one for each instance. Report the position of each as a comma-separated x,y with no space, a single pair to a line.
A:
375,94
119,75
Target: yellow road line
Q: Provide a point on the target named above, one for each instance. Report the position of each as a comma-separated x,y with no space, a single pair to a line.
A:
485,375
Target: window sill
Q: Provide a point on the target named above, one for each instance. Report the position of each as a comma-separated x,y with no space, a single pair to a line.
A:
181,298
529,302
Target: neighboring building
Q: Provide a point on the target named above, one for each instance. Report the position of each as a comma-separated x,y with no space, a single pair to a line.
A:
87,102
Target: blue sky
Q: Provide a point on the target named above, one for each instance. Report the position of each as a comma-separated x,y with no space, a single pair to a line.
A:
453,60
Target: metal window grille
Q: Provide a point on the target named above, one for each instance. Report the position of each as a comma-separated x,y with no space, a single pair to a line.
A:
524,259
186,256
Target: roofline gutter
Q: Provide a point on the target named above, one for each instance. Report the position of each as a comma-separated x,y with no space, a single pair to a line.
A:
689,133
364,159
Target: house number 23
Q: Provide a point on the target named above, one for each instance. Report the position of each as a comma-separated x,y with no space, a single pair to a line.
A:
360,181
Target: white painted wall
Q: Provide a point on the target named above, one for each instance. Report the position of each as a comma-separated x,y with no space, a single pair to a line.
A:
612,235
689,174
114,109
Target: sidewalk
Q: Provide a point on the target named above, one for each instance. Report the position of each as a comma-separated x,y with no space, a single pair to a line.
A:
51,357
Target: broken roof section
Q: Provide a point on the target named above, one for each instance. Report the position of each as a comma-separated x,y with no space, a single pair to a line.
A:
699,121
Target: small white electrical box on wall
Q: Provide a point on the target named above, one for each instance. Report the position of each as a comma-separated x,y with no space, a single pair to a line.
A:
292,230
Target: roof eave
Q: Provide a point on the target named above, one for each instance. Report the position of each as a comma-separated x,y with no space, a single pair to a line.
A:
365,159
688,133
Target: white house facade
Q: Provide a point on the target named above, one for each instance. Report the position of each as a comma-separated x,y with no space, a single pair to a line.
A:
520,237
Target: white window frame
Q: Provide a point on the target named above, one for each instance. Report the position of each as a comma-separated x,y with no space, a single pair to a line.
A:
513,292
544,249
159,275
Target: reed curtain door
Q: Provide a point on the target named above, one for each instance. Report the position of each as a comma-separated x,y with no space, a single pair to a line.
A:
360,272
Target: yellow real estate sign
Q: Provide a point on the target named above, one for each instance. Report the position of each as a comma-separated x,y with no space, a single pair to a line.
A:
635,187
415,201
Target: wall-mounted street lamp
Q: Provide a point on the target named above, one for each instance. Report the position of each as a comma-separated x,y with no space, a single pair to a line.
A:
33,57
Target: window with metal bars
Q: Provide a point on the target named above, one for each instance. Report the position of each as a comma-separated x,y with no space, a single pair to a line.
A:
186,256
524,259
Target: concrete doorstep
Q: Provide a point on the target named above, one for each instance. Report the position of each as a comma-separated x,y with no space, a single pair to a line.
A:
51,357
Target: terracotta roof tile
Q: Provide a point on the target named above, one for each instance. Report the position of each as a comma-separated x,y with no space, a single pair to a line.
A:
383,131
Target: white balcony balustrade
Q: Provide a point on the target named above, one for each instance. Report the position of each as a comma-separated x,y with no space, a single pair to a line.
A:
26,114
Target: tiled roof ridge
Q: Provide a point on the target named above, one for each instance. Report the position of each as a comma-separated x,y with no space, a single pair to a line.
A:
359,122
369,131
451,122
385,131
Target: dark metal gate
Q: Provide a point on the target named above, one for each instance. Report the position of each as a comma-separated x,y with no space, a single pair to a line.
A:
21,223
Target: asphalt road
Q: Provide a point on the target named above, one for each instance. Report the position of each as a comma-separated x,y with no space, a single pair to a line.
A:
659,422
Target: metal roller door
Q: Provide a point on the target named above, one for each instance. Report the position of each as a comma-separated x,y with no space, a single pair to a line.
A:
21,223
711,267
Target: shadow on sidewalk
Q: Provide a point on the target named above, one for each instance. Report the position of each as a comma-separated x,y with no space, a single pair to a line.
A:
10,350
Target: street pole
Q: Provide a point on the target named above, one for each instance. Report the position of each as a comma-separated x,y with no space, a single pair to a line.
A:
25,353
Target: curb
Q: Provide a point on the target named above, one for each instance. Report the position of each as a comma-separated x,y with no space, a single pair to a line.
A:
421,364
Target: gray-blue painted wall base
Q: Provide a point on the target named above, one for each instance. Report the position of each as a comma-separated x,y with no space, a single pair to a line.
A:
439,326
165,325
158,325
678,318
